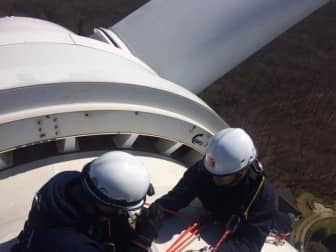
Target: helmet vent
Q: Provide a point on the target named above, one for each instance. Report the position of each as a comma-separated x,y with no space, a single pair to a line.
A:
242,161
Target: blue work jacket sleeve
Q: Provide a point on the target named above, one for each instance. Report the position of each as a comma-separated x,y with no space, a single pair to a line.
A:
183,192
251,233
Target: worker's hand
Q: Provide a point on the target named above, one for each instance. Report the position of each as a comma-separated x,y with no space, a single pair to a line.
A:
148,223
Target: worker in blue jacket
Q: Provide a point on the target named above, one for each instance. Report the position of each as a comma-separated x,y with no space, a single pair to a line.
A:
229,182
92,210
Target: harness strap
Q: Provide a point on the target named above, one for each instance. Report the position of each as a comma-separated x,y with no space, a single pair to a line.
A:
245,213
261,183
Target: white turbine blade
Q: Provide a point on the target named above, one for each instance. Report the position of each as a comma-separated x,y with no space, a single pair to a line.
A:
195,42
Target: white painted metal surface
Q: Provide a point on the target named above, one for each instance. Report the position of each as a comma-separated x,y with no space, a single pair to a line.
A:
56,85
29,25
194,42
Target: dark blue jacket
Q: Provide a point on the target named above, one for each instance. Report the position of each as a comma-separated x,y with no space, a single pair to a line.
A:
52,206
55,211
222,202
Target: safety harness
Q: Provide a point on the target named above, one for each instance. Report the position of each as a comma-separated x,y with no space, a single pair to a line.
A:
193,231
234,220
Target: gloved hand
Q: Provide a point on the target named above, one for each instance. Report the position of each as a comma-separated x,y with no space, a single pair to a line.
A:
148,224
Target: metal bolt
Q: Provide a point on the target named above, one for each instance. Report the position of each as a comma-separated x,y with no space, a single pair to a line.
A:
192,129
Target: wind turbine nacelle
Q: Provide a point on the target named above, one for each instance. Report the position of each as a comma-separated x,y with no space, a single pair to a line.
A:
63,89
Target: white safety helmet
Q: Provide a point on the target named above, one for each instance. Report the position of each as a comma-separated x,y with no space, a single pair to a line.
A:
230,150
117,179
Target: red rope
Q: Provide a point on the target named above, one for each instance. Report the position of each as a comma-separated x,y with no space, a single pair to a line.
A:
188,238
177,243
140,245
192,230
181,215
281,236
178,214
220,241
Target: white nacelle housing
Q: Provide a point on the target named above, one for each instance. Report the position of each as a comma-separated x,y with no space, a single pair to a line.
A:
58,86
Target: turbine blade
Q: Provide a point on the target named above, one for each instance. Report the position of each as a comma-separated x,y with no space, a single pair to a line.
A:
195,42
